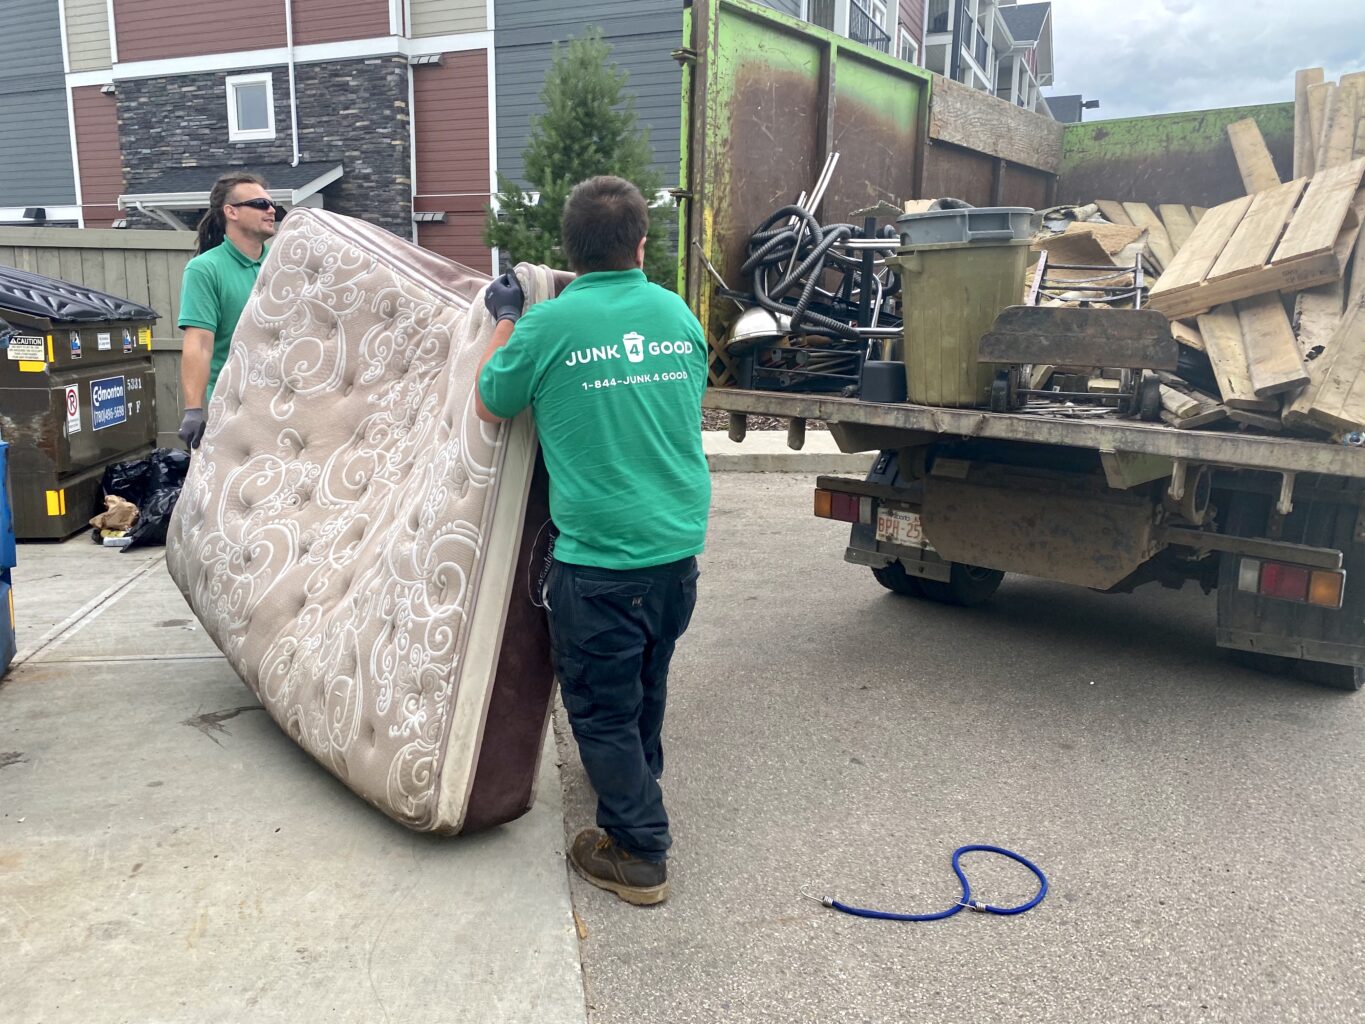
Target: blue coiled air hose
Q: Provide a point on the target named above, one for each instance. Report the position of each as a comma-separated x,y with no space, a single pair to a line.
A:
966,900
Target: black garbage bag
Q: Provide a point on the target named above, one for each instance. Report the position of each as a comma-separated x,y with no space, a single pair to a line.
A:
153,485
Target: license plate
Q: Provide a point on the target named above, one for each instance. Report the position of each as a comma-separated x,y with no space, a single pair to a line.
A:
896,526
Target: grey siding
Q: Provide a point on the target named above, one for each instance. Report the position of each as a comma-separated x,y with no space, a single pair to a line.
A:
642,34
35,134
792,7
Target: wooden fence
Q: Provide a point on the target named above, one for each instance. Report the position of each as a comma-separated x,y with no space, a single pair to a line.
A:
145,266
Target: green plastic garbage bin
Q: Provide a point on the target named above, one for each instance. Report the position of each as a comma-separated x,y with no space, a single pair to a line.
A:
952,293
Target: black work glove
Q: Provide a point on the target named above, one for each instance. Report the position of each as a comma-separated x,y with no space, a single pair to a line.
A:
504,297
192,428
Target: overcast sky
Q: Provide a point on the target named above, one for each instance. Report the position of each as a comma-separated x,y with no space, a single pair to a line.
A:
1155,56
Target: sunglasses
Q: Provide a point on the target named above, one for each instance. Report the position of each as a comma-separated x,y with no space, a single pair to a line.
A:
256,204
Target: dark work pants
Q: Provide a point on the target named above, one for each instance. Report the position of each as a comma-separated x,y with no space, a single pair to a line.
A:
613,633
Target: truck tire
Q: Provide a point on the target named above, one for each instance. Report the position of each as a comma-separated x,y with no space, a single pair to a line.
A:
1336,677
969,586
895,579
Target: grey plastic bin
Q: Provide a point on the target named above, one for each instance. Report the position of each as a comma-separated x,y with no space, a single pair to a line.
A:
977,224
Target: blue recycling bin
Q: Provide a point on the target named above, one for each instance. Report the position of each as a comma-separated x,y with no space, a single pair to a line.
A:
8,645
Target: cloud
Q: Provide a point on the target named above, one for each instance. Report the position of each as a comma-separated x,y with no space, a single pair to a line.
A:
1186,55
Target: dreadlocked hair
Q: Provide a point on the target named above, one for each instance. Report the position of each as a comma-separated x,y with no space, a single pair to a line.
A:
213,225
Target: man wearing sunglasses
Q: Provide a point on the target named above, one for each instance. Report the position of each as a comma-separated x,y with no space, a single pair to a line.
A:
232,245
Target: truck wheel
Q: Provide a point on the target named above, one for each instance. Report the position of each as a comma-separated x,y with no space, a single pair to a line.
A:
1337,677
968,586
895,579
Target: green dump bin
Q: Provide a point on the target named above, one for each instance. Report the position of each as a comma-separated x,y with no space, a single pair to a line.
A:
952,293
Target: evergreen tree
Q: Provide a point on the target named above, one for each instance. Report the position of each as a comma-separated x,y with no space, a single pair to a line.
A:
588,128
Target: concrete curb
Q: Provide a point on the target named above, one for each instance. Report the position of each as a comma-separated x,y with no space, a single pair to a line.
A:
766,451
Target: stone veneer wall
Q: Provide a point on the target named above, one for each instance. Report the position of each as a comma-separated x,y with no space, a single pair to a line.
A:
353,112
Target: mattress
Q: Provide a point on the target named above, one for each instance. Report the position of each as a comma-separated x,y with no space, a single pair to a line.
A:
359,545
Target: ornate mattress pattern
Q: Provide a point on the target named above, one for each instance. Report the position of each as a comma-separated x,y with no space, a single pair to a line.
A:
358,543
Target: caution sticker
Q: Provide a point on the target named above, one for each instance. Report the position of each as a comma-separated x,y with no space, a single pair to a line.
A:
104,341
73,410
23,346
75,344
144,337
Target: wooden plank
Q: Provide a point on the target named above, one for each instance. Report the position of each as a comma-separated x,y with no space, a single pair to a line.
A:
1113,211
1271,348
1158,242
1305,143
1319,218
1113,238
1303,273
1264,420
1253,156
1222,333
1319,314
1197,212
978,121
1184,402
1187,335
1202,248
1318,311
1338,129
1259,232
1179,224
1340,401
1317,111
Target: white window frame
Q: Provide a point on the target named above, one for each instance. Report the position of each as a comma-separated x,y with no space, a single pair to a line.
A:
236,134
903,37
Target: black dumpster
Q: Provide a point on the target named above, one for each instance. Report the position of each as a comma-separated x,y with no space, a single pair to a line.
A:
77,393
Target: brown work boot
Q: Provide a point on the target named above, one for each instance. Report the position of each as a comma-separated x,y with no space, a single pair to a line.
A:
604,864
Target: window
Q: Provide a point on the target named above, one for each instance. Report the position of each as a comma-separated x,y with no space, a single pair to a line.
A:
251,107
906,48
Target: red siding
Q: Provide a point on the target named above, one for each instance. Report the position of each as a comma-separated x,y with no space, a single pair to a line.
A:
156,29
97,149
460,239
912,20
330,21
451,123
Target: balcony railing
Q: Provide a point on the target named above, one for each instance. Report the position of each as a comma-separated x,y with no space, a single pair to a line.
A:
821,13
980,50
862,29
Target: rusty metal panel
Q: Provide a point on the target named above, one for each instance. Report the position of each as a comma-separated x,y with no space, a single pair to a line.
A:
767,97
1026,187
961,173
1049,530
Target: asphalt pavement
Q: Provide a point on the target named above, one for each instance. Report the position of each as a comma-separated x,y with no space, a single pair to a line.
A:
1202,825
167,854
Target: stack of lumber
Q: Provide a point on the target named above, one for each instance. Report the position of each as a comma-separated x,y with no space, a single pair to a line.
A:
1270,286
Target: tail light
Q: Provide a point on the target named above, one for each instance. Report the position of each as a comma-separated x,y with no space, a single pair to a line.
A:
1324,588
846,508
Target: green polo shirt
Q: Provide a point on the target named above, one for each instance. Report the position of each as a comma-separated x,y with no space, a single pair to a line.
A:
613,370
213,292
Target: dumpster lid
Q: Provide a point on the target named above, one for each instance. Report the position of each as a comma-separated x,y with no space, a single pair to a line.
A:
62,301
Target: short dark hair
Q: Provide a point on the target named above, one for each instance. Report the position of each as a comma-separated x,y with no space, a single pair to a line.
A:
604,219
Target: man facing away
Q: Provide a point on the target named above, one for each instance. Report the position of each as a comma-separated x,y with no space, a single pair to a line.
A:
232,245
613,371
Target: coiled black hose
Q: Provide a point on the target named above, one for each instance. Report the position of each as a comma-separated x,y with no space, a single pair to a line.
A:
806,247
